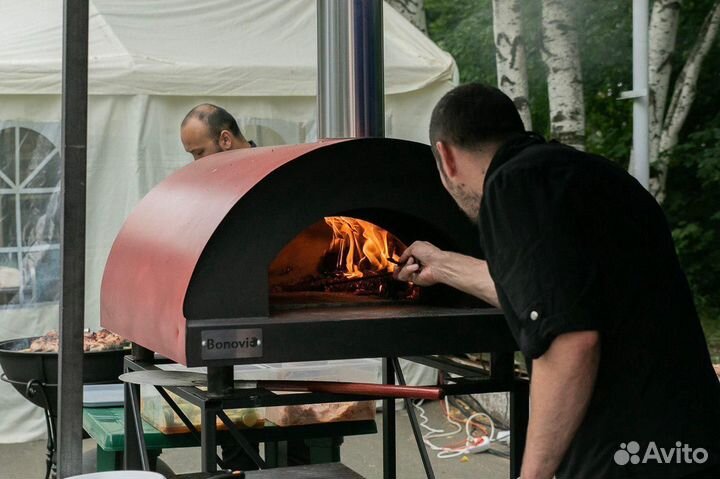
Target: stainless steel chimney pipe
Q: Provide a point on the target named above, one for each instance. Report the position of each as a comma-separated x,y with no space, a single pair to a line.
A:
350,95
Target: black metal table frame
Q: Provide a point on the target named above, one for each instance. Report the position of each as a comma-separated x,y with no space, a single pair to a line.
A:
501,379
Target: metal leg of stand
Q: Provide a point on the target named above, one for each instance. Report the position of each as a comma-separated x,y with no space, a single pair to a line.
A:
136,456
50,459
502,365
180,413
242,441
208,436
220,380
414,424
389,452
519,415
141,354
35,386
183,417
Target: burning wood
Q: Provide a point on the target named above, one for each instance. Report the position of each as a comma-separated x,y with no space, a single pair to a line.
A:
378,285
341,255
341,284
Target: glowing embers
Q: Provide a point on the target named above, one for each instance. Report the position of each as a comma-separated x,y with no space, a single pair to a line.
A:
339,259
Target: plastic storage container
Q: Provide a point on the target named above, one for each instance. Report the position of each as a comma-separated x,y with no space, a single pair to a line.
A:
350,370
157,412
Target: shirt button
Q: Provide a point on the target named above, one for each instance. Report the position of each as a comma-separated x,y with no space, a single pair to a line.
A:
534,315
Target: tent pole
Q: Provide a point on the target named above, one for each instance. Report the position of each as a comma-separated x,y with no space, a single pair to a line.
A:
72,300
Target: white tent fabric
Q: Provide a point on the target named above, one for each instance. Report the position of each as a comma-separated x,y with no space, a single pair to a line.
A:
214,47
149,63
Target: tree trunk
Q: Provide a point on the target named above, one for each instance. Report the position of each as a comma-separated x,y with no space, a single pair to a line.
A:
683,97
413,10
662,34
510,56
562,59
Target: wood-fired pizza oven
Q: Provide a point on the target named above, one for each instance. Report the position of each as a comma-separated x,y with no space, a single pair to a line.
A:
210,267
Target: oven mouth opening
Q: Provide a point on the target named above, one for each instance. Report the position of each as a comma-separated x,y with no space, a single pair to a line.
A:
339,261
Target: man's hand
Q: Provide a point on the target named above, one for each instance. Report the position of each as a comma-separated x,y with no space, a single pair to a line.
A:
421,264
425,265
561,387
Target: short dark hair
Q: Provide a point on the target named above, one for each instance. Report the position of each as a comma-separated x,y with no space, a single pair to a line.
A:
216,118
473,114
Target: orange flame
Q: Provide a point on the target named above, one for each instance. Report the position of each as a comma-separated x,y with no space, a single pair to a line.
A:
361,247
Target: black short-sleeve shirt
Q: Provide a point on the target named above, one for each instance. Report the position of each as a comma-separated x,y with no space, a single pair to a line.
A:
574,243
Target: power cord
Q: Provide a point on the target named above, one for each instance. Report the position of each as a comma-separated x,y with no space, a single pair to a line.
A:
472,444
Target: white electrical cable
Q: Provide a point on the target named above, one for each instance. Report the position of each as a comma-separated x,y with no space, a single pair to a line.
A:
472,443
435,433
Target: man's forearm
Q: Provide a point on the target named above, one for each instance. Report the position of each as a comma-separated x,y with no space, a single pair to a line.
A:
562,384
469,275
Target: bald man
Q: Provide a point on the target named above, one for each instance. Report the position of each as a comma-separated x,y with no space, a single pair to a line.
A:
209,129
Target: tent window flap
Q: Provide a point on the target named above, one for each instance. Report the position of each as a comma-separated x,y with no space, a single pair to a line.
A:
29,214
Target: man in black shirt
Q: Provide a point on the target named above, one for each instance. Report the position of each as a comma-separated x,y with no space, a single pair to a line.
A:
580,259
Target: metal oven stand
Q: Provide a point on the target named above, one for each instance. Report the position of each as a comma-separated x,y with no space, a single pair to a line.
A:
212,406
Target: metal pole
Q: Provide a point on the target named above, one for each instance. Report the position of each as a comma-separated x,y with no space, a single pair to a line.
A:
389,426
519,418
132,456
208,436
414,424
72,301
350,96
333,70
641,134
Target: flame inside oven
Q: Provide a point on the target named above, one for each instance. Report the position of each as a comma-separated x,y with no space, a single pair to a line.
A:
362,248
340,255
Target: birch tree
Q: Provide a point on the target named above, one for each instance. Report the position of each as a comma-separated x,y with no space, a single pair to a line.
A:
562,59
662,32
413,10
682,98
510,58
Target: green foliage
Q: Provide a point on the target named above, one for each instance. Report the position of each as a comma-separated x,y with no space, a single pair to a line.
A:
608,124
693,188
604,34
712,334
705,106
693,208
464,28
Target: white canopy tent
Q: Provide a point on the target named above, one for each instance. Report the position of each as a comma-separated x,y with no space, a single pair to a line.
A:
149,63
